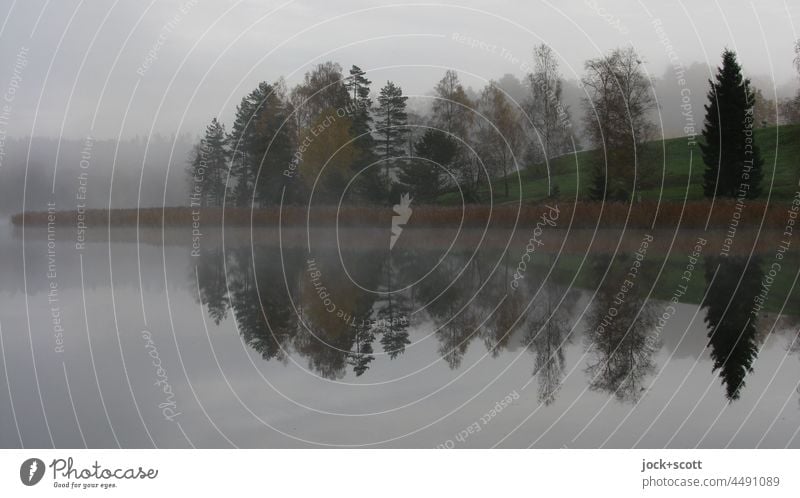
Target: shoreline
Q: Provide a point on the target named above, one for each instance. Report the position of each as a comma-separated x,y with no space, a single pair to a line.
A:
645,215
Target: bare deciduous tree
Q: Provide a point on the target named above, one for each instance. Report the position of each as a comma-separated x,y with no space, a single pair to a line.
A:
453,113
619,98
498,132
548,115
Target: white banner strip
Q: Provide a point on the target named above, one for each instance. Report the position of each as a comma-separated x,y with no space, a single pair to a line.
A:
401,473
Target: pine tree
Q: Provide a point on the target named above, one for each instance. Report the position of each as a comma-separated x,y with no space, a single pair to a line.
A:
369,185
208,168
391,125
732,158
358,88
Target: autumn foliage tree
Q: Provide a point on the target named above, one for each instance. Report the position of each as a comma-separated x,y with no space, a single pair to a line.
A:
327,155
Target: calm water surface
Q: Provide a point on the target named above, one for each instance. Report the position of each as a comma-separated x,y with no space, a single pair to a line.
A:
304,340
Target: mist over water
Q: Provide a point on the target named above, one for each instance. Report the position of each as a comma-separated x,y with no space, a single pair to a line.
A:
399,225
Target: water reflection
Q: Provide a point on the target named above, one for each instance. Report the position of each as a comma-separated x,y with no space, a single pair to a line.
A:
548,332
734,282
292,303
620,322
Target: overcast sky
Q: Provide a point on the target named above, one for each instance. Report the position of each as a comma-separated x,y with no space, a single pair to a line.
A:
79,67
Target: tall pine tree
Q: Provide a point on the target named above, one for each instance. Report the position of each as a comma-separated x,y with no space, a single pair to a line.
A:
732,158
391,125
369,185
358,88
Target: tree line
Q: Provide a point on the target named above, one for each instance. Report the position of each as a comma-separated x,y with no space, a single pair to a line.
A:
329,138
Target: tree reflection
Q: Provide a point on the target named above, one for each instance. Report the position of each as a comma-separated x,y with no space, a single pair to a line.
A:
393,311
265,316
729,317
547,334
621,350
457,312
312,308
211,281
286,314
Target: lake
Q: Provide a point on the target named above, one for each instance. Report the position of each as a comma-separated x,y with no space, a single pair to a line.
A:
451,338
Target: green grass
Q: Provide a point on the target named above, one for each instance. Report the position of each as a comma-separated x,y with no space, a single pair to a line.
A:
780,149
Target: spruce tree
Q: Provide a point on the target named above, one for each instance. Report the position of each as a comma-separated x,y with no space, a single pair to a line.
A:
732,158
424,175
732,327
261,145
243,143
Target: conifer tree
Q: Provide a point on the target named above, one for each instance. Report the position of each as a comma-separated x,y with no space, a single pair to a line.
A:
732,158
358,88
425,174
208,168
391,125
261,144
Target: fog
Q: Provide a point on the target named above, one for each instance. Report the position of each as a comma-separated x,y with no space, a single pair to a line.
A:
131,74
51,170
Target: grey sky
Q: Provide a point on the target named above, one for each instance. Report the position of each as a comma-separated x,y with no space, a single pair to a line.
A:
86,62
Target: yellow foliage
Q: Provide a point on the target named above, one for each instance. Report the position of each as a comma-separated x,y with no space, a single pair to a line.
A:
327,151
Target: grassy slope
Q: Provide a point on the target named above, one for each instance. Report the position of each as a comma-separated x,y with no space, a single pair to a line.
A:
671,159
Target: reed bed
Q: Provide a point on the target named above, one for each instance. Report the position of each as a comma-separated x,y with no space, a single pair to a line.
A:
694,214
